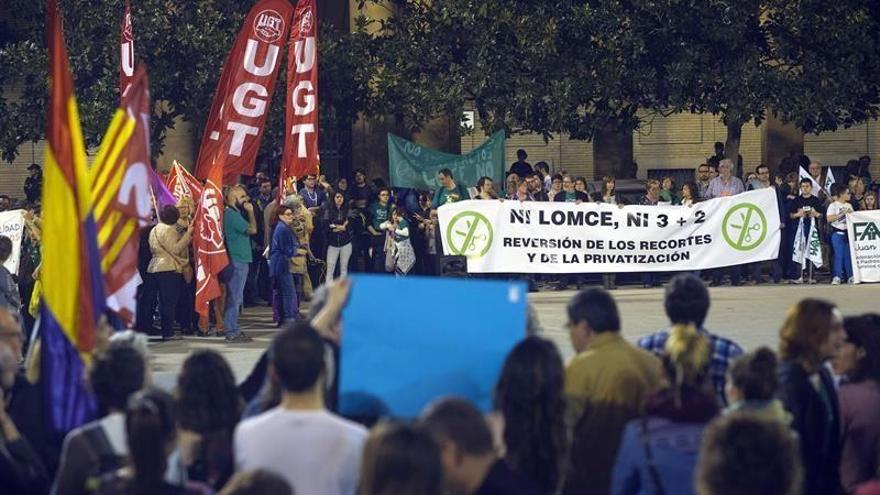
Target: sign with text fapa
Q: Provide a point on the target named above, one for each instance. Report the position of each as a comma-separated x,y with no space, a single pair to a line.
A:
538,237
864,245
415,166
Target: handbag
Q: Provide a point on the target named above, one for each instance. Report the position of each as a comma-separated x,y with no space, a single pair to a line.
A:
390,252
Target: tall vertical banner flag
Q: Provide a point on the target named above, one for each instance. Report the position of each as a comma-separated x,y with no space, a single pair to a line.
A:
73,296
126,52
238,114
300,156
829,181
208,242
120,184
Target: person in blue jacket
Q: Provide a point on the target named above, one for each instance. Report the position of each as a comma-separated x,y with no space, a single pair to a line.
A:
282,248
658,452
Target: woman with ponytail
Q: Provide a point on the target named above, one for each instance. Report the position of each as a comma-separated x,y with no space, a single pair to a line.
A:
151,425
752,383
658,452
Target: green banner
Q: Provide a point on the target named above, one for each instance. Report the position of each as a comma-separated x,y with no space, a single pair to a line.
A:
414,166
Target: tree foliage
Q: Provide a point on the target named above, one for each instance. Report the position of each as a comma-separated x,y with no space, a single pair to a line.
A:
183,43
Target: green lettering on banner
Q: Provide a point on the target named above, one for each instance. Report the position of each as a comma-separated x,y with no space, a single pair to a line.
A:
414,166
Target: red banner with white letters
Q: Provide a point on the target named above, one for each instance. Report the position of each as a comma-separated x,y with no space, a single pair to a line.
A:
126,53
301,118
208,245
238,114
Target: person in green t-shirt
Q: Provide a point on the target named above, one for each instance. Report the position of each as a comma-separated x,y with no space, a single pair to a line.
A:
449,191
238,232
379,212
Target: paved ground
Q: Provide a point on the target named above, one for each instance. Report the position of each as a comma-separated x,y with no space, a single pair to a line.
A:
749,315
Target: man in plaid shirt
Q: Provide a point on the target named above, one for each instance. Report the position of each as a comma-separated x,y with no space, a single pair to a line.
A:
687,301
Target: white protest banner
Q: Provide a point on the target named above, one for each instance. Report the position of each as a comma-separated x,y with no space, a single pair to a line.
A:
538,237
863,229
12,226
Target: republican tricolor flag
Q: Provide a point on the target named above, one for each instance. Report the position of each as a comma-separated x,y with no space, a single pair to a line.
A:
73,297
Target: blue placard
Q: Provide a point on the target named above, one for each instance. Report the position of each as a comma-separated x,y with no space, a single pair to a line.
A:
408,341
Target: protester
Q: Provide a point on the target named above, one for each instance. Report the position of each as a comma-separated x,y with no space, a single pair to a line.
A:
536,188
744,454
521,167
568,194
836,214
486,189
555,187
651,198
317,452
449,191
361,195
403,253
725,184
257,482
184,313
751,386
237,230
313,196
869,202
470,464
529,398
151,430
809,337
9,295
658,452
803,207
99,448
543,169
815,172
512,186
401,459
605,385
702,180
210,407
607,194
668,194
339,235
379,212
33,185
167,264
21,469
857,360
282,250
302,227
688,195
687,303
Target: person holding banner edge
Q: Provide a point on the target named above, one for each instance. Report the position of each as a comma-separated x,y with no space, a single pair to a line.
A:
805,206
836,215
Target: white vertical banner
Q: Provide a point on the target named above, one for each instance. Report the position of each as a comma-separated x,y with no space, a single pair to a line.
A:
863,230
537,237
12,226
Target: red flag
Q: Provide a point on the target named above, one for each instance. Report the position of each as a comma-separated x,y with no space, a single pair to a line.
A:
126,52
120,185
182,183
301,118
238,114
208,240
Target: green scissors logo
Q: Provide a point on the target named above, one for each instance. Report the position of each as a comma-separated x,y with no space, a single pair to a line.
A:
744,227
469,234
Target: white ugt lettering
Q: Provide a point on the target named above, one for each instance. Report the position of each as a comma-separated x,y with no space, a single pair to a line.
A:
302,130
305,59
249,107
250,53
239,132
308,98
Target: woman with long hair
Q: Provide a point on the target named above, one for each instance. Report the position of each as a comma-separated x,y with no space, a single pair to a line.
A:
170,249
751,386
400,459
282,249
609,195
210,407
658,453
529,398
339,234
857,361
151,429
811,333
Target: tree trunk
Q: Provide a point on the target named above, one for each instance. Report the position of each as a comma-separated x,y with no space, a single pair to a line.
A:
731,146
612,154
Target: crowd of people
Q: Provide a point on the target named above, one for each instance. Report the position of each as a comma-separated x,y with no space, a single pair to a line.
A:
681,411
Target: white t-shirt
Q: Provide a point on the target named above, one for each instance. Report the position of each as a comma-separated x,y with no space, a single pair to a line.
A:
317,452
838,208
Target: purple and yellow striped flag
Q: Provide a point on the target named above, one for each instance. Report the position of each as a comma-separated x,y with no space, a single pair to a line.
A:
73,296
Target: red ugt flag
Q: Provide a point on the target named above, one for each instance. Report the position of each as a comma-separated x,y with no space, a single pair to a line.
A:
126,52
301,118
238,115
208,241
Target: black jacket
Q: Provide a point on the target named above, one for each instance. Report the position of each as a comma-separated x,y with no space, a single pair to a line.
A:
817,426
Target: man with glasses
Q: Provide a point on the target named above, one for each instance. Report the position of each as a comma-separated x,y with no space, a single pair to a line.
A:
568,193
762,181
702,180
